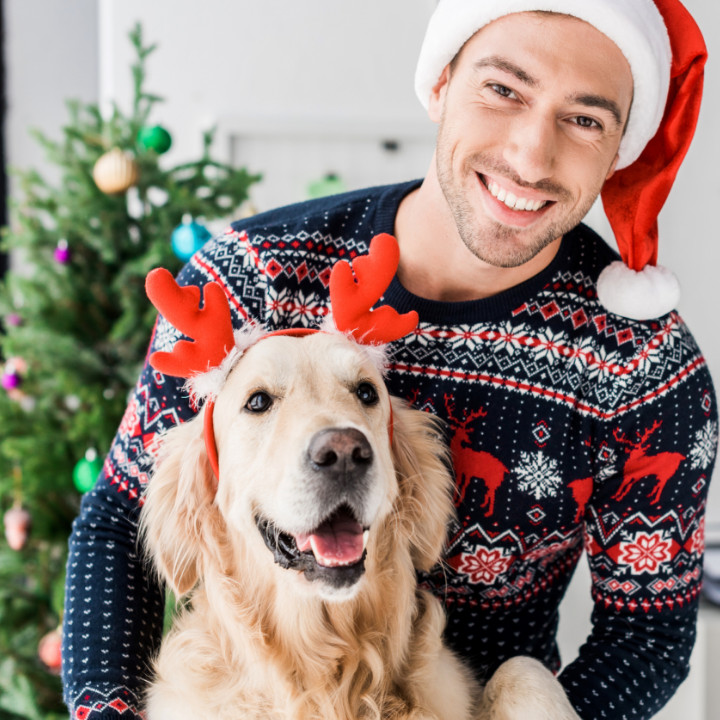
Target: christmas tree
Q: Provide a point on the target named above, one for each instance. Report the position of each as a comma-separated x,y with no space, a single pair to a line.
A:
76,327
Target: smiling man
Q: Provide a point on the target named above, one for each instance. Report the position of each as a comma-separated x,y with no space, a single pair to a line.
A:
580,411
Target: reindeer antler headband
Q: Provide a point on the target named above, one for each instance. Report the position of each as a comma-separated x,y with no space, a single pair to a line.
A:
353,293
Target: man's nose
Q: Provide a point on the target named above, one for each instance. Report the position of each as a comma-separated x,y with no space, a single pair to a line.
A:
532,146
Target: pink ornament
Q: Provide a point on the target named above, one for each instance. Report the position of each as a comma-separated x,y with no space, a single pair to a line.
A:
17,527
50,651
62,253
11,381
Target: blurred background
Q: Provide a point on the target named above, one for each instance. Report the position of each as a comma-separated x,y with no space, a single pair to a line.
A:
315,96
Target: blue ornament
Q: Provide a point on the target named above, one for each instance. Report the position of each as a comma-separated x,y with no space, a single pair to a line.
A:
188,238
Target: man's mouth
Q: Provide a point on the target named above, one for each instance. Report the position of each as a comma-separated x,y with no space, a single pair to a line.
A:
333,552
512,201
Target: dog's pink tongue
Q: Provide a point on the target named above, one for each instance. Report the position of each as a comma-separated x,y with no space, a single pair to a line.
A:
338,541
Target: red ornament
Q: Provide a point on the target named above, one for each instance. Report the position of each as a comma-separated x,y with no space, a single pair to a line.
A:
17,522
50,651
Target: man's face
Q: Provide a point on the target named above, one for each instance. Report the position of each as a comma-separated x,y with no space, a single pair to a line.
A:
531,118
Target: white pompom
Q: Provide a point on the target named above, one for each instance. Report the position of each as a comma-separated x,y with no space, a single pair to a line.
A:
645,295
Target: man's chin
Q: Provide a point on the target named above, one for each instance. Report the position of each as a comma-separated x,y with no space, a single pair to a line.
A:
507,248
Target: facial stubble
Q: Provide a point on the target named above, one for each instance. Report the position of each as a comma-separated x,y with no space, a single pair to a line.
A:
494,243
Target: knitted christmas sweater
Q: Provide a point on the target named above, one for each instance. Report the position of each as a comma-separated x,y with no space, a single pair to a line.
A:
571,429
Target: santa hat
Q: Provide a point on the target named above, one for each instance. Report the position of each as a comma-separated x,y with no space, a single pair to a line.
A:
666,53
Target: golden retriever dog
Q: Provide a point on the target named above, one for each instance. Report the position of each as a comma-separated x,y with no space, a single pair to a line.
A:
299,561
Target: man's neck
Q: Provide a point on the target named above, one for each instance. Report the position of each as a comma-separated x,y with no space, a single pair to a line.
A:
435,263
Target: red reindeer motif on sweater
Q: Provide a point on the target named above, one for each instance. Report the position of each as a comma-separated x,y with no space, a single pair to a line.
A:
472,464
640,465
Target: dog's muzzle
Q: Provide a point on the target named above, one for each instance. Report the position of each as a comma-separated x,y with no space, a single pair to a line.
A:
338,461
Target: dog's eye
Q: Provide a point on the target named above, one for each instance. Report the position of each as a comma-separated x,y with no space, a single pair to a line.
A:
367,393
259,402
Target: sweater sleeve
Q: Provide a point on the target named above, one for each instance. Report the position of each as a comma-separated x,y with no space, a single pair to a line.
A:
645,534
113,603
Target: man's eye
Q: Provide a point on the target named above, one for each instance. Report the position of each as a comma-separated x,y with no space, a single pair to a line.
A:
258,402
367,393
503,91
587,122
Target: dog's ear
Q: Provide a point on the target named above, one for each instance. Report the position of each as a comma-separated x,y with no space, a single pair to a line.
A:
426,483
178,506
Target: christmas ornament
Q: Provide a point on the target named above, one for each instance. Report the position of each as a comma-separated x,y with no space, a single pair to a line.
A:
86,471
12,377
72,403
188,238
11,380
62,253
331,184
115,172
155,138
17,523
50,651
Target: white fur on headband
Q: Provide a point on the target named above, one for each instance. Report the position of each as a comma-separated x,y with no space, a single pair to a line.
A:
207,385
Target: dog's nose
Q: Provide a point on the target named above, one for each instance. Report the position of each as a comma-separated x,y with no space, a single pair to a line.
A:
341,452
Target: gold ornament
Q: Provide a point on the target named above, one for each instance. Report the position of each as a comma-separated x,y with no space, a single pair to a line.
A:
115,172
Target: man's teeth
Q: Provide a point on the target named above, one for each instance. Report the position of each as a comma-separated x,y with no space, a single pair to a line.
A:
512,201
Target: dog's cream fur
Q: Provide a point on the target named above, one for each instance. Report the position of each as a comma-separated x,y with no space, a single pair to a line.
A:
262,641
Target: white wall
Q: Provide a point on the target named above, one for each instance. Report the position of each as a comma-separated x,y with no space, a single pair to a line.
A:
51,51
350,60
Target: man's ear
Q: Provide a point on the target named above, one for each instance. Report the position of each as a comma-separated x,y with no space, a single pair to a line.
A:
611,171
437,95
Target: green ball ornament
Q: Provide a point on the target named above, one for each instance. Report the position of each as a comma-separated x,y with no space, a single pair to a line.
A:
188,238
155,138
86,471
331,184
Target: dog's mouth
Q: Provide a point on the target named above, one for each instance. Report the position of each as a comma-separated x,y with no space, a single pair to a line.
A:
334,552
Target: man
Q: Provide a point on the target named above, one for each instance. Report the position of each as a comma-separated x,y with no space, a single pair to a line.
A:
571,425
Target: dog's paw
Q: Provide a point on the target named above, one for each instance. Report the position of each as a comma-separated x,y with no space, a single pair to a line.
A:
524,689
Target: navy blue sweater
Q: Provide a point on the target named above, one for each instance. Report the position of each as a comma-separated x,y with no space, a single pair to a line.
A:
571,429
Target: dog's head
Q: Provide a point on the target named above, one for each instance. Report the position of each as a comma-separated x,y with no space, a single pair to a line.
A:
316,471
304,452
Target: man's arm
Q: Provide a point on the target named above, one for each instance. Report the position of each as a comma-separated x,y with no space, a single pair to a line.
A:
113,604
645,542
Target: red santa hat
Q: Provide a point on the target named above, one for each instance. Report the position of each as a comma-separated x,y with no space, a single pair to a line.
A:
666,53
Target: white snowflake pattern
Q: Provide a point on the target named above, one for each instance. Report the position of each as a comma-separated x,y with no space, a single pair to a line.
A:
166,336
705,447
291,307
602,364
607,461
577,355
509,338
538,475
549,346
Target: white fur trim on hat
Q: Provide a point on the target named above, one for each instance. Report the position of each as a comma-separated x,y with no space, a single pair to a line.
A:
645,295
635,26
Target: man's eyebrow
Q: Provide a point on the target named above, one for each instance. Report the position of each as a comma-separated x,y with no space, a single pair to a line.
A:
598,101
501,63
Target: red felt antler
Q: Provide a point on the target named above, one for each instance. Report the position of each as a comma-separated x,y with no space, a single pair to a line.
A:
209,326
352,298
